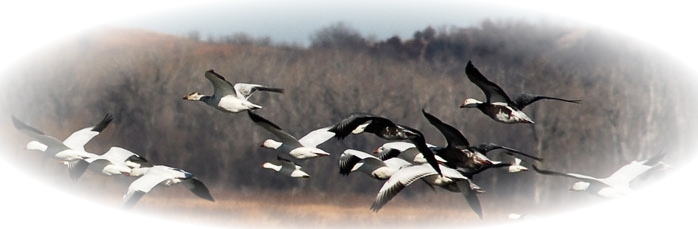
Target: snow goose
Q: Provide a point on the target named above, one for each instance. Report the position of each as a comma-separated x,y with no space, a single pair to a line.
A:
160,174
352,160
451,180
289,144
404,150
50,145
358,123
286,167
458,152
615,185
78,139
498,105
229,98
115,161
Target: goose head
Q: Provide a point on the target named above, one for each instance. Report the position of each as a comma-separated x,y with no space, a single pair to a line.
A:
271,166
470,103
271,144
136,172
117,169
34,145
193,96
299,174
580,186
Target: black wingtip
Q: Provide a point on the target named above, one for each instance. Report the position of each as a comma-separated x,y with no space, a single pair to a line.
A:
103,124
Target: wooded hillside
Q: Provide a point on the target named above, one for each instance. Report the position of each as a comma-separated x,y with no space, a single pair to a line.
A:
633,100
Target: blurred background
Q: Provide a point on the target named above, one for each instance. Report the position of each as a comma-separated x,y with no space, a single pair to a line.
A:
634,104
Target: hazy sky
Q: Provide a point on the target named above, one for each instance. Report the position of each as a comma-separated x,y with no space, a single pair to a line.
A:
295,21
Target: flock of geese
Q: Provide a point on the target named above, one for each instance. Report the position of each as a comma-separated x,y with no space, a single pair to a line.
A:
401,161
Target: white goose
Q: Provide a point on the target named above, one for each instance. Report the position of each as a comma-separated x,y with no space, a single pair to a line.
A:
52,146
404,150
352,160
287,168
451,180
613,186
78,139
304,148
160,174
115,161
229,98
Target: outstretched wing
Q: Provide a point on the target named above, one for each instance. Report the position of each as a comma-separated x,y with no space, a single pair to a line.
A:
586,178
484,148
454,138
140,187
316,137
492,91
285,137
221,87
470,196
198,188
397,182
80,138
53,144
524,100
245,90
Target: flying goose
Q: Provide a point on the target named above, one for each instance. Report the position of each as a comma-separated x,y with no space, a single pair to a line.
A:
160,174
228,97
354,160
115,161
286,167
615,185
451,180
289,144
50,145
459,154
358,123
498,105
404,150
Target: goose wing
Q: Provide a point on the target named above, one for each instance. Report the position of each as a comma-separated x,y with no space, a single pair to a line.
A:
245,90
397,182
484,148
141,186
493,92
363,122
454,138
470,196
53,144
221,87
351,157
417,138
198,188
524,100
586,178
78,139
316,137
76,168
285,137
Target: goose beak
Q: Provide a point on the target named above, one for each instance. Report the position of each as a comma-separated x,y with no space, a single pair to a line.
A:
126,174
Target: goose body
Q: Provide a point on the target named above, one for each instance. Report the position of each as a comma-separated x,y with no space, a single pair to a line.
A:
289,144
615,185
286,167
228,97
451,180
115,161
354,160
160,174
405,151
499,106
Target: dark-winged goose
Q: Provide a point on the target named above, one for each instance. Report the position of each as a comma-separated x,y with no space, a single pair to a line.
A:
498,105
228,97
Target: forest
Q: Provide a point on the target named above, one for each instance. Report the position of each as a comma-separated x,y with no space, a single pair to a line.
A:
632,102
